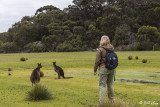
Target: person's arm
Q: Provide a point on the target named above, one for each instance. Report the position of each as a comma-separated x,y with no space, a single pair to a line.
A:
97,61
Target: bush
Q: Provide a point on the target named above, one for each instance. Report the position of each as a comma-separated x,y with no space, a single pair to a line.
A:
144,45
8,47
22,59
37,46
144,60
9,69
130,58
148,33
41,74
39,92
9,74
136,57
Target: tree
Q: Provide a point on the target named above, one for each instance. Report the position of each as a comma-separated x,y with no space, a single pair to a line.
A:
122,35
79,30
45,9
8,47
147,12
4,37
148,34
109,23
91,9
72,43
50,42
25,33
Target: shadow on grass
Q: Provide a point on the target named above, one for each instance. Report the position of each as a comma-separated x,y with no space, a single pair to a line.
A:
116,104
65,78
68,77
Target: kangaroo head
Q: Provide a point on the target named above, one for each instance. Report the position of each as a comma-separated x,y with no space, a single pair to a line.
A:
39,65
54,63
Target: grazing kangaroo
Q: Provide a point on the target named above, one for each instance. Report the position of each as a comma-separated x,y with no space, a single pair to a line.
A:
35,76
59,70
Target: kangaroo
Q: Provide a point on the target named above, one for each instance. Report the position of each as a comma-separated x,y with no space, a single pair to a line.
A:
35,75
59,70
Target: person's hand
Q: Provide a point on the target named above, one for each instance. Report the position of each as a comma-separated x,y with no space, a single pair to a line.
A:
95,73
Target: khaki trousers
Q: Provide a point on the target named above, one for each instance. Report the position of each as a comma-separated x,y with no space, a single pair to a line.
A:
105,78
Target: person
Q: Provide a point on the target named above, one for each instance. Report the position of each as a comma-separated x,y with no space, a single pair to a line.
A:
105,76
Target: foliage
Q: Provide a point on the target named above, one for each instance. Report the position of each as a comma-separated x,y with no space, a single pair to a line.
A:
119,19
41,74
46,8
136,57
8,47
109,24
39,92
144,45
22,59
50,42
144,60
122,35
148,37
73,43
38,47
148,33
129,57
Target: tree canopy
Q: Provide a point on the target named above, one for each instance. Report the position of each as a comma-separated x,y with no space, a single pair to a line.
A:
80,26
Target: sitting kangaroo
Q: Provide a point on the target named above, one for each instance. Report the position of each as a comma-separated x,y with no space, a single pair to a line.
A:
35,76
59,70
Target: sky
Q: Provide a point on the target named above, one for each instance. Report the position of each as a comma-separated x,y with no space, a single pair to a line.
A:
12,11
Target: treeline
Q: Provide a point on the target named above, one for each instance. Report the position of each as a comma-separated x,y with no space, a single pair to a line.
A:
130,24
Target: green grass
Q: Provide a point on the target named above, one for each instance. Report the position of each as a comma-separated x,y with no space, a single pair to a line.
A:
82,89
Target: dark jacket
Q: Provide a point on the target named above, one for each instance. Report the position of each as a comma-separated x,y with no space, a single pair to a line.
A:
101,55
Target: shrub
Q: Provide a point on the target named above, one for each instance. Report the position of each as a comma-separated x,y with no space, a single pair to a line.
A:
37,46
8,47
64,47
144,45
9,69
144,60
39,92
9,74
41,74
130,58
22,59
136,57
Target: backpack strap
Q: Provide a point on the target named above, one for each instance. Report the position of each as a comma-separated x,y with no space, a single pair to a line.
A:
101,53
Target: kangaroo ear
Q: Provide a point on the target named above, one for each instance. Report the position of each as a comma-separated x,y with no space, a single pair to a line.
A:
37,63
40,63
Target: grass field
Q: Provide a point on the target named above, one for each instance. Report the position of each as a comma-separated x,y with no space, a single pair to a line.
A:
137,84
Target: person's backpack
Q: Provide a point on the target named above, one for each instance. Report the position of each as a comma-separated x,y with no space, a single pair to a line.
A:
111,60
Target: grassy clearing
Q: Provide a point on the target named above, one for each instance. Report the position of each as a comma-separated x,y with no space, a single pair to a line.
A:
82,89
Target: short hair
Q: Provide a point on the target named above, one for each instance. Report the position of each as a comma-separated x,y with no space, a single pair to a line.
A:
104,40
